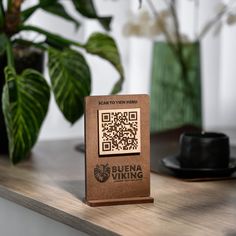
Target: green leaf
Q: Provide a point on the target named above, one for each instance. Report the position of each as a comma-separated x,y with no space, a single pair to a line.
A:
71,81
87,8
48,2
105,47
51,39
25,103
52,7
59,10
3,43
28,12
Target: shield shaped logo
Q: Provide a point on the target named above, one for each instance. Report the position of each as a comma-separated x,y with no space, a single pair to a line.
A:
102,172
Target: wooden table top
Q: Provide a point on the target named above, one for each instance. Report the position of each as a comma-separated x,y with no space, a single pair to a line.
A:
52,183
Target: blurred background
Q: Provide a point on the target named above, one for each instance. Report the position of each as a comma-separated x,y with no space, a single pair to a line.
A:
218,61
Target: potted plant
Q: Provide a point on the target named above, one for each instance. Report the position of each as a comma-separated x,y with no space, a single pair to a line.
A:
26,93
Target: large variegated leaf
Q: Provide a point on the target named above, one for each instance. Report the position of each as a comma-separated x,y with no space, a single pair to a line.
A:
105,47
71,81
25,104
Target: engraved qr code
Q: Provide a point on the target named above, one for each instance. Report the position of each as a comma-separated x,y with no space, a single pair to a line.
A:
119,131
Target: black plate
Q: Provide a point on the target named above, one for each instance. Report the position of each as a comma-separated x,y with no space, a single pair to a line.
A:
172,163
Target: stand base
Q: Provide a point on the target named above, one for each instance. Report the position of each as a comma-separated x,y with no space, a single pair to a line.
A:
120,201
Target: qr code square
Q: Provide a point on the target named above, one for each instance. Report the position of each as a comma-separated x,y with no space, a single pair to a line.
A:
119,131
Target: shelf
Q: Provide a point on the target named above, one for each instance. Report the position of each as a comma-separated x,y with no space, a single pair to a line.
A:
52,183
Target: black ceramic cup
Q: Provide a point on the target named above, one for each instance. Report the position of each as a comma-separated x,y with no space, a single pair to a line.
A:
204,150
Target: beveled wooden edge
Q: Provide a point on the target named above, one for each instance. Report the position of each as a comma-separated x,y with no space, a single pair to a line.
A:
120,201
54,213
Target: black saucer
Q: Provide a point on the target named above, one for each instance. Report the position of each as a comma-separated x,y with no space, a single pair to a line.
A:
172,163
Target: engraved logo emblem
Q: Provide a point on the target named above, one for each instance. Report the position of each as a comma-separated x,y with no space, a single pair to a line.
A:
102,172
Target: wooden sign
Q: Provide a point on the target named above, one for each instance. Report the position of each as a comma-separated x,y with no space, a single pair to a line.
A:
117,140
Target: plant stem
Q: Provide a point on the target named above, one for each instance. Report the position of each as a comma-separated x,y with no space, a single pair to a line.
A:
180,55
10,57
177,51
155,13
163,29
9,5
51,35
13,17
196,18
215,19
176,23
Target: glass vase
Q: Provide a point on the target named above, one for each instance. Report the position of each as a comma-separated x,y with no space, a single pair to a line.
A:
175,87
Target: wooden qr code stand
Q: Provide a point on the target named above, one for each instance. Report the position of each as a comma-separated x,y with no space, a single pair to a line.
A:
117,140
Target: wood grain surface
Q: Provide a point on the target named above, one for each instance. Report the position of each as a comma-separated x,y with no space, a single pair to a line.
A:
52,183
108,177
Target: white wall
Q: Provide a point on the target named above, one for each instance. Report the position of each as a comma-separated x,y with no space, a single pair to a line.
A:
210,65
218,59
227,94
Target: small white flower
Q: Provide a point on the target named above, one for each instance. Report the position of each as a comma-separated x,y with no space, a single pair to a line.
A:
231,19
164,14
136,30
132,29
154,28
144,17
220,7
